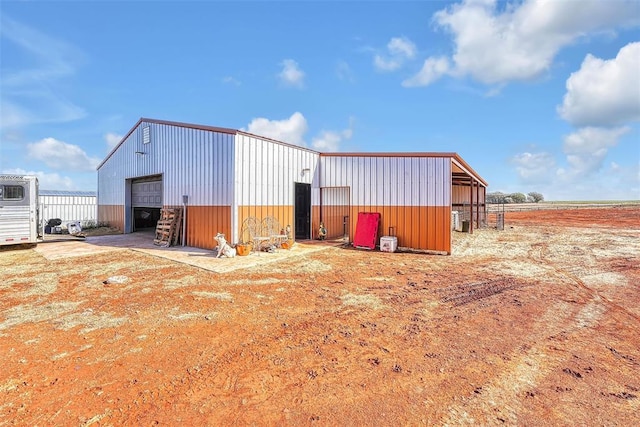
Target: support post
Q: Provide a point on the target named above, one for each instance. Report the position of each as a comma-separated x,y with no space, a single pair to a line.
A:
478,204
471,209
185,199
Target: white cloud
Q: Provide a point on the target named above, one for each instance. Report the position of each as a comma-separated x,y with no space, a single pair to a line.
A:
289,130
231,80
604,92
583,175
293,130
329,141
534,168
112,139
402,46
587,148
520,40
384,64
32,95
399,49
344,72
60,155
291,74
614,182
431,71
46,181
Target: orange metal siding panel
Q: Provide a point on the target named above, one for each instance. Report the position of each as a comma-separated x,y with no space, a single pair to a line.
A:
113,215
405,225
284,215
203,222
433,227
416,227
333,217
440,231
422,222
315,221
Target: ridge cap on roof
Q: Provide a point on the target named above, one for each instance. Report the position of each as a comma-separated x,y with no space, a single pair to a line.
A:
232,131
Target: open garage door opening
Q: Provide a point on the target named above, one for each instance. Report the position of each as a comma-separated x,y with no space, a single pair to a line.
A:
146,202
145,218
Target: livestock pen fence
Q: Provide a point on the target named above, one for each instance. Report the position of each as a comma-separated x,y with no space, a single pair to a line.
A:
465,214
496,211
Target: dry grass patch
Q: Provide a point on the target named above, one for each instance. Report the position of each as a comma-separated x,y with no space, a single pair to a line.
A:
222,296
267,281
39,284
303,266
90,320
29,313
182,282
185,316
370,301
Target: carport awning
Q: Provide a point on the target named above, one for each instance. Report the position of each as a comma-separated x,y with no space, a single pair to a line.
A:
462,174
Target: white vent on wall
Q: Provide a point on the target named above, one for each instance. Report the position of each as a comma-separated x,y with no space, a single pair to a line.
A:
146,135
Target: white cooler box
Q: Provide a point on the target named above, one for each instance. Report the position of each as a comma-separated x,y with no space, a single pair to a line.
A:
388,243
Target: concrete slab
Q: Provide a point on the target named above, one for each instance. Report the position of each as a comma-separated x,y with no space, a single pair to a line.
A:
143,242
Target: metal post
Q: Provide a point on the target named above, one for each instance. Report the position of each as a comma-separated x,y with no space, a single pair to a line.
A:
185,199
471,210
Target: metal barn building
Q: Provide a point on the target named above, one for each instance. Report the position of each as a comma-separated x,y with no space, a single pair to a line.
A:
69,206
222,176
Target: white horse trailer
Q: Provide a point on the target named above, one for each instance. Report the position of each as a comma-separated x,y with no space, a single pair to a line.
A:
19,209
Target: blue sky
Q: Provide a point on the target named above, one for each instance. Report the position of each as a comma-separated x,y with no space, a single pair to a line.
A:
535,95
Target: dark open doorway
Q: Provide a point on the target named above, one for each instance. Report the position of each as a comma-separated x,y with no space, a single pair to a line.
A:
145,218
303,211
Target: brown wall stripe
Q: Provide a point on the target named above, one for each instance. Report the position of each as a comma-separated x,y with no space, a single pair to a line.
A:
112,215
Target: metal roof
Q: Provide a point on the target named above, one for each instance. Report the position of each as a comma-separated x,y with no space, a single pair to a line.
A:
68,193
457,160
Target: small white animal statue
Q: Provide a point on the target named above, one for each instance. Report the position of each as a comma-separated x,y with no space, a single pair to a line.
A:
223,247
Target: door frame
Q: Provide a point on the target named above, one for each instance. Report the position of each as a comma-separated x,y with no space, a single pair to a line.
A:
302,213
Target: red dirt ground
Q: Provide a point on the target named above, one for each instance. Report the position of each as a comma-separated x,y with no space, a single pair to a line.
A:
538,324
618,217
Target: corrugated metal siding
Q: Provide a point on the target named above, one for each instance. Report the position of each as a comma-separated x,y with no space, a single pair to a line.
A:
67,193
112,215
461,194
69,208
412,194
390,181
460,201
284,215
204,222
265,173
335,207
416,227
194,162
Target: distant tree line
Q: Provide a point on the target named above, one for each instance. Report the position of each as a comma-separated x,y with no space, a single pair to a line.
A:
498,197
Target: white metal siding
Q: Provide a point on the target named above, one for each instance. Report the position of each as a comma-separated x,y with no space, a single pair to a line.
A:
266,171
68,208
335,196
390,181
193,162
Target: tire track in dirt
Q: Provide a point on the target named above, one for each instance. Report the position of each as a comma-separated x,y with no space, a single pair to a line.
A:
576,269
499,400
